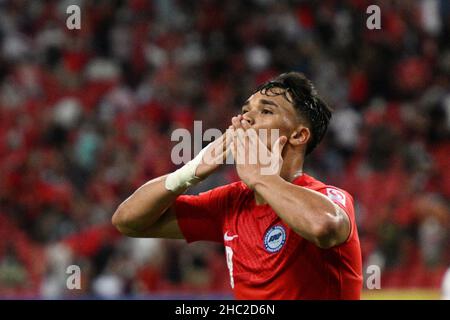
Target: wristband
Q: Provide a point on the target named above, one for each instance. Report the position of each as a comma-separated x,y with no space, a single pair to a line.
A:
181,179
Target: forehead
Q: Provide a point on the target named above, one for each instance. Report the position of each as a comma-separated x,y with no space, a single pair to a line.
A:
278,99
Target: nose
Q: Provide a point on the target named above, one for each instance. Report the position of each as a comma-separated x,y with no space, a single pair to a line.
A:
247,117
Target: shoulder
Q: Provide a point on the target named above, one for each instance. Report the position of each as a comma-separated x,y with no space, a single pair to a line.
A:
334,193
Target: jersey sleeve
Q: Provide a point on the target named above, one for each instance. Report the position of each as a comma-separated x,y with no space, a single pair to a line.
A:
344,201
201,217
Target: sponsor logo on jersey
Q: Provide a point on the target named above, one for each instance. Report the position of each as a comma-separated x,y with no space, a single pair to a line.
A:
336,195
275,238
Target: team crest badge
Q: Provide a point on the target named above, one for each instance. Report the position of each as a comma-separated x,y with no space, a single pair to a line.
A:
275,238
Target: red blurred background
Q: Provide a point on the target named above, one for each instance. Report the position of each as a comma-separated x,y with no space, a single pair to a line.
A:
86,117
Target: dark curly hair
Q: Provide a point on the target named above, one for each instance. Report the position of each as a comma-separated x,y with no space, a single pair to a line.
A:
300,91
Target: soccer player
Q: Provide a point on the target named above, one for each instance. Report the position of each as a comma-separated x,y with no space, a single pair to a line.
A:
286,234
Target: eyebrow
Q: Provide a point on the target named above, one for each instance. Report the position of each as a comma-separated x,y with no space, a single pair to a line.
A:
269,102
262,101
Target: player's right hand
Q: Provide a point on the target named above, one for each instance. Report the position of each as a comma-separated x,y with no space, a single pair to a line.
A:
215,154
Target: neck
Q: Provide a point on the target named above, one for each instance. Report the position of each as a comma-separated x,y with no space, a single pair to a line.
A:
292,165
290,174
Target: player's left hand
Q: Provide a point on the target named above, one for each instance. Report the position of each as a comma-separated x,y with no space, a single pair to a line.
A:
252,158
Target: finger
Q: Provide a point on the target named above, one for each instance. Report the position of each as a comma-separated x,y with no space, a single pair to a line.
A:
228,149
233,148
252,145
240,135
218,143
236,121
252,133
221,141
228,140
221,151
229,136
245,124
240,146
246,144
252,138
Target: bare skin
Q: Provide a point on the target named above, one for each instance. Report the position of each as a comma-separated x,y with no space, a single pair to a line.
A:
149,212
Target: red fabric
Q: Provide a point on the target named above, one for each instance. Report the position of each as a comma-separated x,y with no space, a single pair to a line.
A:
298,270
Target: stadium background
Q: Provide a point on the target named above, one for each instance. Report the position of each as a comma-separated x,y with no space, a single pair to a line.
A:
86,117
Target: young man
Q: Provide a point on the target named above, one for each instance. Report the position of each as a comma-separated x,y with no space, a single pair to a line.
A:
286,235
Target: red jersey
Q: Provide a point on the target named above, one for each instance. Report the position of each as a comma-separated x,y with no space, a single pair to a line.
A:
265,258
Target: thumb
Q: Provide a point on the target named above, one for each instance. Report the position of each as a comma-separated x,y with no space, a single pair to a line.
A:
279,145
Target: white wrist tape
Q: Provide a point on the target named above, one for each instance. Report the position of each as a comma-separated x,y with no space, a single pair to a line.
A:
181,179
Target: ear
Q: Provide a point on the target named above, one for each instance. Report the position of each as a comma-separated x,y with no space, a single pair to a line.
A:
300,136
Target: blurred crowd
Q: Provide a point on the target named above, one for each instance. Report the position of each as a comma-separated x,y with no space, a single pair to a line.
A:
86,117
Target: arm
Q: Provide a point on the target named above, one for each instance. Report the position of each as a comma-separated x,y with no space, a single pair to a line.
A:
149,211
309,213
